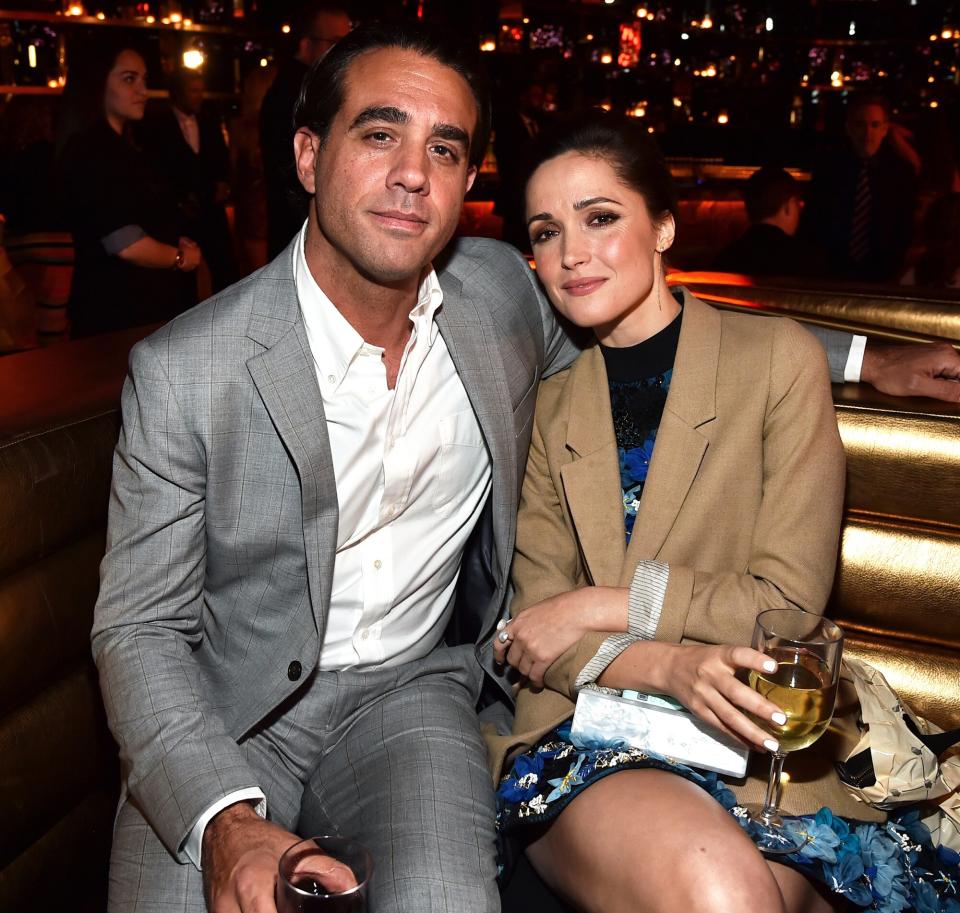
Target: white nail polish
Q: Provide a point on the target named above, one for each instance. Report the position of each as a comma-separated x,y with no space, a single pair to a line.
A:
771,745
770,665
779,718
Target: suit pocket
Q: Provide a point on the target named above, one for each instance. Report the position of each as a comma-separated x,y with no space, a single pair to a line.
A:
461,446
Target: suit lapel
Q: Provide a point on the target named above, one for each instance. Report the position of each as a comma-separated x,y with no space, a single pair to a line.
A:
286,380
591,482
477,360
680,446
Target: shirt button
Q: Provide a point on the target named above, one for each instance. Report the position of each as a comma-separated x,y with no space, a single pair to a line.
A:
332,378
378,564
365,634
294,671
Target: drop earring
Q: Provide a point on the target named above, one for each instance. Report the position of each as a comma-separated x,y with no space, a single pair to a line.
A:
659,276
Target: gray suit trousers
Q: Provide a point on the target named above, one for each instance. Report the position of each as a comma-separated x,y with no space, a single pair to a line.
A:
391,757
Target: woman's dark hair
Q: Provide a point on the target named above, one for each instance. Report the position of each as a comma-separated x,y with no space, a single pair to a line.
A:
321,95
82,102
622,142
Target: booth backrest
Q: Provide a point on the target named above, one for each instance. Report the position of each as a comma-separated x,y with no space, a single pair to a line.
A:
897,594
59,780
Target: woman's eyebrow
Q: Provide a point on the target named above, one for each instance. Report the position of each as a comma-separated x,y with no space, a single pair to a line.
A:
583,204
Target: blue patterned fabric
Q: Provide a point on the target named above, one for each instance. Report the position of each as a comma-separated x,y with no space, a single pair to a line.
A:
888,867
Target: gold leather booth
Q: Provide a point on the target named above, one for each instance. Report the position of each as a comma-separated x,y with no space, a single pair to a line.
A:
58,764
897,590
897,594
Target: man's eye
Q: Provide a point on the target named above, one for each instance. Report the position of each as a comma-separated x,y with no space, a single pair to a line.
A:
445,152
379,136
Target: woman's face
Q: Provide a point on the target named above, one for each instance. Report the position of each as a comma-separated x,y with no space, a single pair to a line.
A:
126,91
594,243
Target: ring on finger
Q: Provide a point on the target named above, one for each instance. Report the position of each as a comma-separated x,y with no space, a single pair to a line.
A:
505,637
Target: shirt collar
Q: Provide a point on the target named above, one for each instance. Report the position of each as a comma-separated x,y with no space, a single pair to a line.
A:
334,343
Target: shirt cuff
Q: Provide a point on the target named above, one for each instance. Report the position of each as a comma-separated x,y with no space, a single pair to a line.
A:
648,589
194,842
851,371
122,238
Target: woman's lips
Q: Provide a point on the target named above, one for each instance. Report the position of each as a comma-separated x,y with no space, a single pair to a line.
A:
580,287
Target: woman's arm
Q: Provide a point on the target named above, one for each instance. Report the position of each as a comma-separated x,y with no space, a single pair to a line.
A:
152,254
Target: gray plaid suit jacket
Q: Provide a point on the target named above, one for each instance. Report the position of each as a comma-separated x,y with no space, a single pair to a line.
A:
223,515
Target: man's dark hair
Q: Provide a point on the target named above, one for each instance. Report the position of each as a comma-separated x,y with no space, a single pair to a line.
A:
624,144
321,95
767,191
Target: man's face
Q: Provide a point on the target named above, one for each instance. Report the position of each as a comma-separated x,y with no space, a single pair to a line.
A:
190,98
389,180
867,126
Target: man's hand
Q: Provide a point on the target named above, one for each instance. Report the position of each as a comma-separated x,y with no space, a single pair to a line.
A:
913,370
241,855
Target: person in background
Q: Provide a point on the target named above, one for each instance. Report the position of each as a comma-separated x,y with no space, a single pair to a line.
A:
939,264
770,247
185,143
130,252
316,28
860,206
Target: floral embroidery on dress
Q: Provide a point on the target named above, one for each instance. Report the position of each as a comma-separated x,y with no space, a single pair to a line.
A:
885,868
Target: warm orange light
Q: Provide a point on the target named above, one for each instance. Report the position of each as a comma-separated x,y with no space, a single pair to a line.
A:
526,20
707,22
264,62
488,45
175,18
649,17
285,28
946,33
934,104
75,9
151,20
606,105
606,58
53,83
101,16
165,20
193,59
642,12
723,118
676,102
933,37
187,23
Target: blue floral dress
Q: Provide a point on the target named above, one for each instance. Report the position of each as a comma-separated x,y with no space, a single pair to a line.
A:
887,868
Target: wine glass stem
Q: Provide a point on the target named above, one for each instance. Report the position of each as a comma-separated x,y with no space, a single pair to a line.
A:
771,803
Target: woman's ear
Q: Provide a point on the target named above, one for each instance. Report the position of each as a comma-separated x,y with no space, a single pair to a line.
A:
666,229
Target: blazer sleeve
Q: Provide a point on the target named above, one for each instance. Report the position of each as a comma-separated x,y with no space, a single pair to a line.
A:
174,748
793,553
796,532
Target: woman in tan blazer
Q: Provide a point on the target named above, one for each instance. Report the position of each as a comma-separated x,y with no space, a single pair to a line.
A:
647,571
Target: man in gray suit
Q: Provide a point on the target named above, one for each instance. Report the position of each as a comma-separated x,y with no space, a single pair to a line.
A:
310,464
313,515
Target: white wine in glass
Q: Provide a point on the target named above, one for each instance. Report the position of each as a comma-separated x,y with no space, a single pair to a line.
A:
807,649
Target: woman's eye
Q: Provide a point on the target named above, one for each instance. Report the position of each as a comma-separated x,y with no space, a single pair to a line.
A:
604,218
544,234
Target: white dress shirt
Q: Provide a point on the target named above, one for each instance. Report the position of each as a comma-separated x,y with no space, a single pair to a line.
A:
189,128
413,473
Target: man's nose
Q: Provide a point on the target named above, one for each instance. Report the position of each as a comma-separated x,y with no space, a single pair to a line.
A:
409,171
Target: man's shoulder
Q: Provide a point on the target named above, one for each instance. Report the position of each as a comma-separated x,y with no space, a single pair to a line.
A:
482,259
223,317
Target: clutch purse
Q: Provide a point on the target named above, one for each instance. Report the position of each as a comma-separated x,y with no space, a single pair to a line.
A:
654,723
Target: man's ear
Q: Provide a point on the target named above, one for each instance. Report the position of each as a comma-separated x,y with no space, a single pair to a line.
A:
306,148
472,172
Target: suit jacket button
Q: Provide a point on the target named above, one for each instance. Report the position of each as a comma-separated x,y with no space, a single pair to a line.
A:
294,671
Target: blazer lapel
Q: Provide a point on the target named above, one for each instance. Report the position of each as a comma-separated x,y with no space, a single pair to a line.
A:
286,380
680,446
591,482
477,359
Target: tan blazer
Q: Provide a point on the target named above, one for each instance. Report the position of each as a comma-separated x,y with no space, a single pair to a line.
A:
743,501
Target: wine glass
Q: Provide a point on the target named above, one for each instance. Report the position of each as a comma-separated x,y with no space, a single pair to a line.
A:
807,649
301,888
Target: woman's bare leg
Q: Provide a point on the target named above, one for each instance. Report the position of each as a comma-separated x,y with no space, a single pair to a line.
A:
644,841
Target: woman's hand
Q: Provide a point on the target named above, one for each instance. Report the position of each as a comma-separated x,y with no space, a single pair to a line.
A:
703,679
192,255
543,632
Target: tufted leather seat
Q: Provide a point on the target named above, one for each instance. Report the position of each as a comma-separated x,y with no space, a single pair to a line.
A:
897,594
58,764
